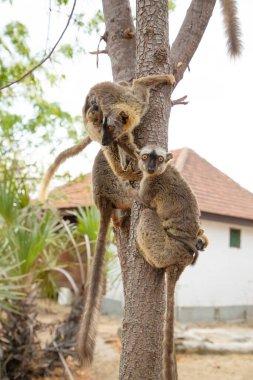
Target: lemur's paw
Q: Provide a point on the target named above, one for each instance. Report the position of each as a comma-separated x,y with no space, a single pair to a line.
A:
171,79
201,243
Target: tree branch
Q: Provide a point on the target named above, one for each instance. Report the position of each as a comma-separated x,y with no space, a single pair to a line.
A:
103,37
121,41
99,52
45,58
190,35
179,101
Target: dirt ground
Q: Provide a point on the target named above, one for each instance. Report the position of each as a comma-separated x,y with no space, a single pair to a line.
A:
107,355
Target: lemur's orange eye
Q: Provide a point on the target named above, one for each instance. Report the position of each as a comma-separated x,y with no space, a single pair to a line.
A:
110,128
160,159
144,157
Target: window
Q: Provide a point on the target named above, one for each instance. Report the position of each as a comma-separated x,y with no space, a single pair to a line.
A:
235,238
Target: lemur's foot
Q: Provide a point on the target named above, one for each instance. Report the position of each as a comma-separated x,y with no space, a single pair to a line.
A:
201,244
171,79
202,240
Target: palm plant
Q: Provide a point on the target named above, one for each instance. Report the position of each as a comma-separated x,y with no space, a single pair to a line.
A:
13,195
10,288
87,226
87,223
31,241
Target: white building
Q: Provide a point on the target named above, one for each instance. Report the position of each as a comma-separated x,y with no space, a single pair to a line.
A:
220,286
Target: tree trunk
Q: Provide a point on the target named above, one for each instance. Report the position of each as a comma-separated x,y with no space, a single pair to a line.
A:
143,286
120,38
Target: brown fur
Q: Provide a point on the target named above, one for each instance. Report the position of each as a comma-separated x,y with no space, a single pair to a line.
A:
63,156
109,192
117,154
173,208
232,27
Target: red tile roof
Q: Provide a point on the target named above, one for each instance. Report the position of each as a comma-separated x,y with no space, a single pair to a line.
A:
74,194
216,192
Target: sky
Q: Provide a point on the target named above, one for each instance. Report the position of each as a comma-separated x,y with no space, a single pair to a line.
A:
217,123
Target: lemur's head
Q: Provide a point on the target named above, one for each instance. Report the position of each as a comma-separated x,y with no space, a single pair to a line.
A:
153,160
93,120
94,114
114,125
92,111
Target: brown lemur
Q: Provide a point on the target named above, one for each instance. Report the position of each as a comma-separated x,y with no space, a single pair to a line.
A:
168,230
164,190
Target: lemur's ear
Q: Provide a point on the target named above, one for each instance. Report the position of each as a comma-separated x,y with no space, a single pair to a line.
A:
124,116
169,156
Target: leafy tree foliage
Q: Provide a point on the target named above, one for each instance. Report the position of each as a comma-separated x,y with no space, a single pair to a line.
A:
27,118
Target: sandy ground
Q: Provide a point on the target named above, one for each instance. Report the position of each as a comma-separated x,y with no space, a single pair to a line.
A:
190,366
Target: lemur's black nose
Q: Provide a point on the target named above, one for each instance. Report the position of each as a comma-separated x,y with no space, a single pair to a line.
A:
151,170
106,141
94,107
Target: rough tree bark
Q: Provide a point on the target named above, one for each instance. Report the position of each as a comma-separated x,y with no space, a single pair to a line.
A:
144,290
143,286
120,38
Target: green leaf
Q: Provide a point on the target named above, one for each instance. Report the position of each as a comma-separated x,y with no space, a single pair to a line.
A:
62,2
94,24
67,50
171,5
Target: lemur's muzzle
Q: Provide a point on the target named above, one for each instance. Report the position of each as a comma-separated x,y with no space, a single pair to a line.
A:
151,165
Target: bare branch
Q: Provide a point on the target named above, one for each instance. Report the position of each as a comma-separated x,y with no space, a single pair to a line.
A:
99,52
48,56
103,37
190,35
179,101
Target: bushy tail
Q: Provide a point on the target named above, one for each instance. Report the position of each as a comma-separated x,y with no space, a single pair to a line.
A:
232,27
88,325
169,358
63,156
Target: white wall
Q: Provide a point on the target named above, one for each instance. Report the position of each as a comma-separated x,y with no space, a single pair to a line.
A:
223,276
